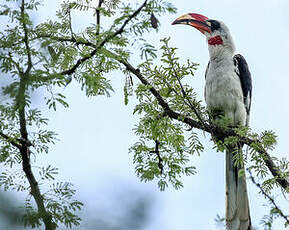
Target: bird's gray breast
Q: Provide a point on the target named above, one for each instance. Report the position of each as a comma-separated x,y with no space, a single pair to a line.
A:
223,90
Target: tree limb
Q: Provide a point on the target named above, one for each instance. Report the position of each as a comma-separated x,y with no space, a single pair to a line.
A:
24,147
213,130
168,111
10,140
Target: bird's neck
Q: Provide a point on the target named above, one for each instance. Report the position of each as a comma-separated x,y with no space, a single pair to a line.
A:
221,52
221,47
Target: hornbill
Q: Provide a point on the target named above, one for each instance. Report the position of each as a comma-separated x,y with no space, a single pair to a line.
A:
228,91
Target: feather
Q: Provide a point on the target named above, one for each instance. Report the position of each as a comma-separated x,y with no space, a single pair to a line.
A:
237,203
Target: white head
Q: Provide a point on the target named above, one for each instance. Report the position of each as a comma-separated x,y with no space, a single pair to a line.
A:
218,36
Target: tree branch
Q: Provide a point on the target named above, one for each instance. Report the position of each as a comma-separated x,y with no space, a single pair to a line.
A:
16,64
25,155
213,130
24,147
64,39
168,111
70,24
10,140
98,17
160,160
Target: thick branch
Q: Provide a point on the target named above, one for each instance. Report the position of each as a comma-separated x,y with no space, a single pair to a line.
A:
24,147
25,154
208,127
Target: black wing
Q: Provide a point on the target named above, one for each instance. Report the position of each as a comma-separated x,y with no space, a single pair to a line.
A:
242,70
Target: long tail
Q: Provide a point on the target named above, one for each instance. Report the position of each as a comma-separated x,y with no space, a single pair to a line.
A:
237,204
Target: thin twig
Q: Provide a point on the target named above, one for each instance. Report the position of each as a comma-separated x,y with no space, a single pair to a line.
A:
97,12
70,24
285,217
16,64
64,39
189,100
26,39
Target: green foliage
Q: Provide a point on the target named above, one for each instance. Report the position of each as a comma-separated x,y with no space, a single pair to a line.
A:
128,88
176,145
59,201
220,222
268,220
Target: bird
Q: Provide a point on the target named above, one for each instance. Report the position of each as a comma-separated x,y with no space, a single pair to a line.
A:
228,92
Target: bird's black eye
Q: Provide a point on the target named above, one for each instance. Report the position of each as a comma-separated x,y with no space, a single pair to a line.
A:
215,25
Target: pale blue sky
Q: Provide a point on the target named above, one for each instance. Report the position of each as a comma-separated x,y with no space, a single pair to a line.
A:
96,133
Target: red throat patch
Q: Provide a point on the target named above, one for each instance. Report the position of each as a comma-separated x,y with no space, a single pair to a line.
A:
217,40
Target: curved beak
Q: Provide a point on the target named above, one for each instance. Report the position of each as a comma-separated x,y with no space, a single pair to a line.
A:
196,20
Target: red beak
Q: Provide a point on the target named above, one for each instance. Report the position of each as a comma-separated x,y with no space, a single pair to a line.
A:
196,20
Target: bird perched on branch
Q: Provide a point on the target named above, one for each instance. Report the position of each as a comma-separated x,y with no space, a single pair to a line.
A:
228,90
